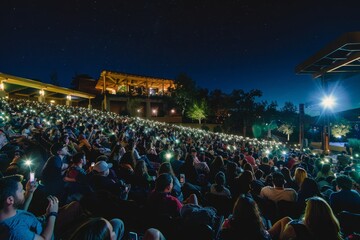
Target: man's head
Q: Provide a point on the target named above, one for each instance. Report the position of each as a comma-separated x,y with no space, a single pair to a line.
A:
58,149
278,179
344,182
11,192
164,183
193,152
102,168
79,158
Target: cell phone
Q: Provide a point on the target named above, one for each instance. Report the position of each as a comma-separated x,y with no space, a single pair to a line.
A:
133,236
182,178
32,176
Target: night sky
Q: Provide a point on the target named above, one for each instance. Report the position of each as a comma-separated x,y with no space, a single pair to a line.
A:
220,44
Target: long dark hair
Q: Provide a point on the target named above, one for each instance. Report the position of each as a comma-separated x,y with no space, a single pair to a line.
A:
320,219
93,229
246,220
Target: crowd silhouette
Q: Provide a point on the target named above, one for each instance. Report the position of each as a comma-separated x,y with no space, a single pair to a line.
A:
99,175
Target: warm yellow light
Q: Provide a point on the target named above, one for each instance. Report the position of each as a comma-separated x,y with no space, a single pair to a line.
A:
42,92
68,97
2,86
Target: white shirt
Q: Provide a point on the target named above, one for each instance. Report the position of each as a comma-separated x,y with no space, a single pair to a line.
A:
274,194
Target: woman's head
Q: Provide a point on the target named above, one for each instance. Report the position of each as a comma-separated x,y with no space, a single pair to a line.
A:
309,188
248,167
246,216
300,175
286,172
94,229
320,219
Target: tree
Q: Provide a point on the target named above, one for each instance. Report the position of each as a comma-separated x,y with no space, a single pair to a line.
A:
185,91
244,108
286,129
289,107
219,105
198,111
340,129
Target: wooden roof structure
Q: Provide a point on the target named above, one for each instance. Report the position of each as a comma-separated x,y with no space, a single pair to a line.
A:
30,88
113,81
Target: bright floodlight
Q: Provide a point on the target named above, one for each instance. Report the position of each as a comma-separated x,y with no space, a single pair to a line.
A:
328,102
28,162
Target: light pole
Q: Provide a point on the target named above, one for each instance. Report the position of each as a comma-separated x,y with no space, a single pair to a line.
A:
328,102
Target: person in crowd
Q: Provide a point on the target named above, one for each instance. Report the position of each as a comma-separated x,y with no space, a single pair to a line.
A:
243,184
76,178
84,143
216,166
161,202
135,153
199,165
291,161
76,172
290,183
345,199
309,188
232,171
190,171
325,171
99,228
141,178
319,222
265,166
245,222
177,162
176,190
278,191
53,170
250,159
20,224
167,154
219,188
299,176
101,181
258,183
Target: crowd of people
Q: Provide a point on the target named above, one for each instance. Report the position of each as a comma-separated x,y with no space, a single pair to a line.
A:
99,175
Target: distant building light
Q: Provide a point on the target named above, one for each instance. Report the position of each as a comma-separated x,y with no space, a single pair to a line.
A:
52,101
42,92
68,97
